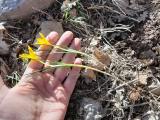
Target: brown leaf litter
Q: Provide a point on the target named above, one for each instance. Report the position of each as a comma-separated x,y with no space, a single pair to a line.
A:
101,60
89,74
135,94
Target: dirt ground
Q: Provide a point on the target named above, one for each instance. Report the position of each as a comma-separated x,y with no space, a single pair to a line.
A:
127,30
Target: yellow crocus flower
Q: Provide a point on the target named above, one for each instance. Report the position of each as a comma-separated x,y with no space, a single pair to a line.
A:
31,55
42,40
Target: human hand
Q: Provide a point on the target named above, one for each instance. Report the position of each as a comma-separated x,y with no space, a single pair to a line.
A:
43,95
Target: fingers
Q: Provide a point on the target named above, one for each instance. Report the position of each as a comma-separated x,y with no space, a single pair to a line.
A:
1,82
64,41
43,52
71,80
62,72
3,89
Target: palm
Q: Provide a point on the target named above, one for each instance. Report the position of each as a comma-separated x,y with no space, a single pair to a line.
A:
39,95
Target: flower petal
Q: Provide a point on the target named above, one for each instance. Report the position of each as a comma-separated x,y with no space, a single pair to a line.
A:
31,55
42,40
30,50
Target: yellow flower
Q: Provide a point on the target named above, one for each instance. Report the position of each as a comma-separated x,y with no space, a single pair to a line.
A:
31,55
42,40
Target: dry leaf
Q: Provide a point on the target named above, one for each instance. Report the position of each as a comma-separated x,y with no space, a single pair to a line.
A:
94,42
156,90
89,74
68,5
134,95
102,57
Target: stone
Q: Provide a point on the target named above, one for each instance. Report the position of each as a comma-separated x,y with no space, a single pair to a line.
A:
147,54
4,47
48,26
13,9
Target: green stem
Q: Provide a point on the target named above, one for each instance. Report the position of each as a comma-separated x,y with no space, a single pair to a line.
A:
80,66
77,52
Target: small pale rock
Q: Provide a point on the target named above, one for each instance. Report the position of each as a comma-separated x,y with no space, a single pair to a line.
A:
92,109
142,78
2,28
49,26
4,47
